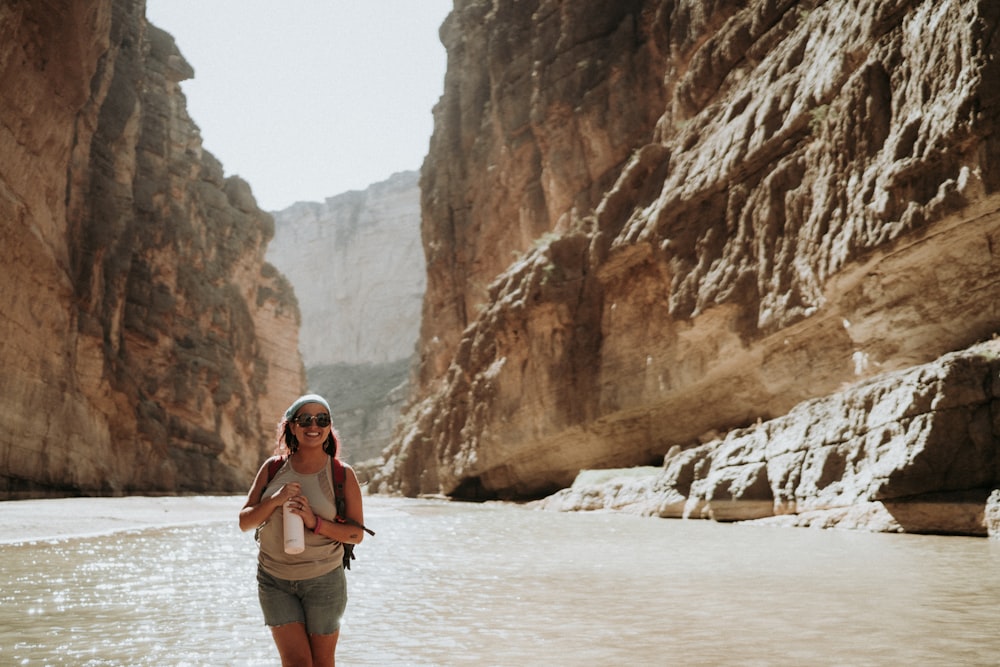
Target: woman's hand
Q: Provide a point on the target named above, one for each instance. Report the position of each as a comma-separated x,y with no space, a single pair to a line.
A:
289,491
300,505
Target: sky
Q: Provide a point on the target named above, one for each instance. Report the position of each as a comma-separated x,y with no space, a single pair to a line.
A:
307,99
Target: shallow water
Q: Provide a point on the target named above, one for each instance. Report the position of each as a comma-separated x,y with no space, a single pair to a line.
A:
460,584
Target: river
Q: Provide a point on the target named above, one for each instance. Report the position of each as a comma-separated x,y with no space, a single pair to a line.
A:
445,584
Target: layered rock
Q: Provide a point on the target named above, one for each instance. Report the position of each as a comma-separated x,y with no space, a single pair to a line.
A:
357,265
144,338
911,451
719,210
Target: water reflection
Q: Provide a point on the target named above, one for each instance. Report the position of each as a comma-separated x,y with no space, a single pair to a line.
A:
456,584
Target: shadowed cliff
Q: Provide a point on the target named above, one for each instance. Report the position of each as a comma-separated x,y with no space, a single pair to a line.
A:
650,223
146,345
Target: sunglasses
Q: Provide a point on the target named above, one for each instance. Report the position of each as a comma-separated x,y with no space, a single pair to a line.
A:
322,420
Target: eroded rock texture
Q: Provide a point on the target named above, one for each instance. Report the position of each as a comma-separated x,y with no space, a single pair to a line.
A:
146,345
649,221
911,451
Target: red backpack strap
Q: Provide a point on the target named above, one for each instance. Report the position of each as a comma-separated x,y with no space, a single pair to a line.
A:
273,465
339,475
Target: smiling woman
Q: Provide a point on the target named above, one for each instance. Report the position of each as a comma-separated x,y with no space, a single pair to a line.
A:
306,100
303,591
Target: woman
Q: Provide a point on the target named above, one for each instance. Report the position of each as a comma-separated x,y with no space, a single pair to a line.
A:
303,596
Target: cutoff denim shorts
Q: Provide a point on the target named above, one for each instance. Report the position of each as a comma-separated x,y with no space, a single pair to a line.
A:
319,602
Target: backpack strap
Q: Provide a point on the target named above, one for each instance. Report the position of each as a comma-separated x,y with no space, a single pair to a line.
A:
273,465
339,475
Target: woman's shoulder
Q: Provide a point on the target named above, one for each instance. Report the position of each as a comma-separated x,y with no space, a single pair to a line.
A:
341,468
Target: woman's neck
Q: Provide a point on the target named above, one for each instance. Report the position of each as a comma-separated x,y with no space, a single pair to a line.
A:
308,461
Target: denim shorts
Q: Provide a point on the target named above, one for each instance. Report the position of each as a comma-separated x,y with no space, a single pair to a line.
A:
318,602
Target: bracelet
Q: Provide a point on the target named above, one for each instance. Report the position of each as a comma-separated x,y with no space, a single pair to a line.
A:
316,527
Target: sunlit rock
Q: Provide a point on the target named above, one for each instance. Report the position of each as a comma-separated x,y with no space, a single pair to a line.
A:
146,345
647,221
911,451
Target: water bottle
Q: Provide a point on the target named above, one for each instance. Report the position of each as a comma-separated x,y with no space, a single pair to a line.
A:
295,534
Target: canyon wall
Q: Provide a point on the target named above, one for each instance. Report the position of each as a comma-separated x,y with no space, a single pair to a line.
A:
909,451
651,223
146,345
357,266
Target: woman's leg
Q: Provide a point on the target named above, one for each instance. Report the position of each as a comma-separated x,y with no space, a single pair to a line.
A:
324,647
294,646
324,600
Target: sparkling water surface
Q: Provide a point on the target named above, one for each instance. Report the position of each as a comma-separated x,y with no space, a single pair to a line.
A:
462,584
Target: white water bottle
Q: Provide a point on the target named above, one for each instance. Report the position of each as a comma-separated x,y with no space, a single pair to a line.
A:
295,534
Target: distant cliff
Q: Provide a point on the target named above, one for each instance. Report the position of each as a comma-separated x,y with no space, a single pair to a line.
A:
357,265
146,345
648,223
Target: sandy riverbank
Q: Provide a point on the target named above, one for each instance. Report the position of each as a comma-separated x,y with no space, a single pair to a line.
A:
36,520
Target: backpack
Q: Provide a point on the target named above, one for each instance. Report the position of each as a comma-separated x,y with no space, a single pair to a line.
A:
339,475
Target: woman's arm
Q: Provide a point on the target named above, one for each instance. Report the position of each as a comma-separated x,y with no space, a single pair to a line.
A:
257,510
352,531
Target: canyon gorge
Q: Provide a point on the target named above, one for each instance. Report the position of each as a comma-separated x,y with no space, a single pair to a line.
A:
724,260
356,263
651,225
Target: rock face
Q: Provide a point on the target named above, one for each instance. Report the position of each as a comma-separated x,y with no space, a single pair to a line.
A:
715,211
357,266
145,342
911,451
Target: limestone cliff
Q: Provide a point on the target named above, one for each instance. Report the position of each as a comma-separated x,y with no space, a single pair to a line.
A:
909,451
649,221
146,345
357,266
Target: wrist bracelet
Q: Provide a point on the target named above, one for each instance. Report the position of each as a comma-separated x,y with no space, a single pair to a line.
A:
316,527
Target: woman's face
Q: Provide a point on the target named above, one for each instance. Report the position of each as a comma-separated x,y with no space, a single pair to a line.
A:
311,424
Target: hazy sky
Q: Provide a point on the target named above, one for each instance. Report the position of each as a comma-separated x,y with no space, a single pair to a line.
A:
306,99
